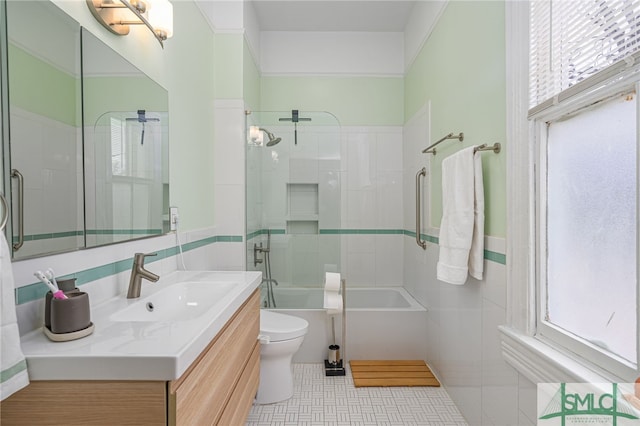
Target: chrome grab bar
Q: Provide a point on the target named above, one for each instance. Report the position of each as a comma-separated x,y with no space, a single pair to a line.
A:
421,172
16,174
5,211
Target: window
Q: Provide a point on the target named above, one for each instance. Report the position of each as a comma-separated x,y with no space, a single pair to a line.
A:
118,148
584,76
130,157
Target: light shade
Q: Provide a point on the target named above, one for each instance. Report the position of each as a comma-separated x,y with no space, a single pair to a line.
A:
118,15
255,135
161,18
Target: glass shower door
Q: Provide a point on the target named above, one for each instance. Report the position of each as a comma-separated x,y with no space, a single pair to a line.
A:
293,204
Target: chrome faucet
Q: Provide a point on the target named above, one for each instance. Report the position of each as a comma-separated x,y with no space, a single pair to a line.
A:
138,273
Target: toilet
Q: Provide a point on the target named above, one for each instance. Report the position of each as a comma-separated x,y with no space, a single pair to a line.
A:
280,337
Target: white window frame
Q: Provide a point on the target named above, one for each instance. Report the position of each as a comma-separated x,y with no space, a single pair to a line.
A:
546,331
532,353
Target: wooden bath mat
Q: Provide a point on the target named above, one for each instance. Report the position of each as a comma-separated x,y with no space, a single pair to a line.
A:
392,373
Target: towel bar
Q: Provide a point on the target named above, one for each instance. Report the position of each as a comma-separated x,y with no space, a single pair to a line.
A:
496,147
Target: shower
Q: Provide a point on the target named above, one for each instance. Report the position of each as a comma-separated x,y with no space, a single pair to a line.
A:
293,200
142,118
272,139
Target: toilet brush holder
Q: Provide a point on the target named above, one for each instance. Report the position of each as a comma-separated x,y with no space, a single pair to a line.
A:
333,364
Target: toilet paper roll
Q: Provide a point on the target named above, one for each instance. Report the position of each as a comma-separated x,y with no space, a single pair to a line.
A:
332,303
332,282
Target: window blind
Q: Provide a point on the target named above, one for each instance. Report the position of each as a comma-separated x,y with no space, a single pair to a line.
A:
578,44
117,148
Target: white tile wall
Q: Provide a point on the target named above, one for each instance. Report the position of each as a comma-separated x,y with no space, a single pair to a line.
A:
45,152
389,198
372,194
229,167
389,260
463,345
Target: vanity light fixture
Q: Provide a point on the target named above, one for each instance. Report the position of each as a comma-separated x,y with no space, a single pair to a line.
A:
118,15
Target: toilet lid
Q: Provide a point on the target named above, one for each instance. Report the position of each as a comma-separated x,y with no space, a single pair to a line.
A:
280,326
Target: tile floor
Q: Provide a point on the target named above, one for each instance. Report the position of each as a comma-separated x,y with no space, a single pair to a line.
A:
323,401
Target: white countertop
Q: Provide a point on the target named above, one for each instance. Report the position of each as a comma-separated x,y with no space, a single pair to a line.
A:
120,350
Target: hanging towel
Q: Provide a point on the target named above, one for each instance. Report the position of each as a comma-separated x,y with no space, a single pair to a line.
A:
13,366
462,229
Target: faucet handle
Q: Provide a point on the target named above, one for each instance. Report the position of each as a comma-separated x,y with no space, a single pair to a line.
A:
139,257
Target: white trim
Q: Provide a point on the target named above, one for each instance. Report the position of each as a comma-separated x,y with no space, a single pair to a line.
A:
254,52
546,329
540,362
520,243
533,356
423,20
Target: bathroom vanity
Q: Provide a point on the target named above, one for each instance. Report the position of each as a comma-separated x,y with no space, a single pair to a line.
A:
142,370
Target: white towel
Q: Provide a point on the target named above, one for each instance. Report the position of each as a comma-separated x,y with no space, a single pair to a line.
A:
13,366
462,229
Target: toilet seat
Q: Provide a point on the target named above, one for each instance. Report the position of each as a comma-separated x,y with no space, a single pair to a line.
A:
279,327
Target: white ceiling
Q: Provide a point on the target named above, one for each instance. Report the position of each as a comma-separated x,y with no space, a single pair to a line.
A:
333,15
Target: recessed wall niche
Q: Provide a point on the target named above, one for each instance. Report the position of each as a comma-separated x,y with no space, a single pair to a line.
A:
302,208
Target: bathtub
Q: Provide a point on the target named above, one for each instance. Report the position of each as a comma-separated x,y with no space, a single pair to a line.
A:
382,323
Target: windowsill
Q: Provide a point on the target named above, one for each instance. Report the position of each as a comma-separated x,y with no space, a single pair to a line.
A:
542,363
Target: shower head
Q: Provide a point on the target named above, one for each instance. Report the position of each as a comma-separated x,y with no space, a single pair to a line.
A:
272,139
273,142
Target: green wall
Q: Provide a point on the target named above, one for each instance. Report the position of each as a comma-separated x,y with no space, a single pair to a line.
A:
461,71
189,61
186,68
355,101
102,94
229,78
42,89
251,79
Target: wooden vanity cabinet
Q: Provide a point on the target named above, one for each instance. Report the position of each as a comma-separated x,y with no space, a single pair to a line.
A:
217,389
230,366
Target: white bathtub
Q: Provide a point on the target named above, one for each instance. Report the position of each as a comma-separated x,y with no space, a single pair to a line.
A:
382,323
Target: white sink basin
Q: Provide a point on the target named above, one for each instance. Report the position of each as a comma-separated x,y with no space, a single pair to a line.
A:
131,342
182,301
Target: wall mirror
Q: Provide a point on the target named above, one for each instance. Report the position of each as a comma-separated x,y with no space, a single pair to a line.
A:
45,129
126,142
87,153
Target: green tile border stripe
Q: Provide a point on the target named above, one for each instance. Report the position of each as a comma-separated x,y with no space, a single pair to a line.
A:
495,257
37,290
331,232
259,232
361,232
67,234
50,236
124,231
488,254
